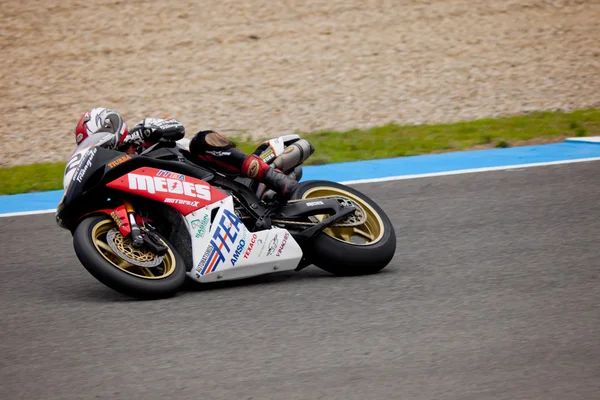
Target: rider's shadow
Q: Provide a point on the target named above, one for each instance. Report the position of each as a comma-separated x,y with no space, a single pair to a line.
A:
98,293
310,273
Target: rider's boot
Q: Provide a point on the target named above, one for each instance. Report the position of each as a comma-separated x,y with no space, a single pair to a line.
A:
255,168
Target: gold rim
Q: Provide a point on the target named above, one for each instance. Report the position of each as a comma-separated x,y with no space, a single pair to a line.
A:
163,270
368,233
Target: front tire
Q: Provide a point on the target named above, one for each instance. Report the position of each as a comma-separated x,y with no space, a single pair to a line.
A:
365,249
94,252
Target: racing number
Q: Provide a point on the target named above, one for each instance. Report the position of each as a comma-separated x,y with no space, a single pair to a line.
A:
73,162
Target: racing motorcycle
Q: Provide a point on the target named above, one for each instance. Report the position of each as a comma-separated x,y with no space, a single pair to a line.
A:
144,223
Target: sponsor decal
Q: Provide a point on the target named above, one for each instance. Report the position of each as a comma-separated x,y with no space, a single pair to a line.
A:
276,145
272,245
238,252
79,138
288,150
264,244
117,219
170,175
252,169
209,250
218,153
267,155
283,242
118,161
222,241
119,215
88,164
155,184
251,245
200,226
314,203
183,202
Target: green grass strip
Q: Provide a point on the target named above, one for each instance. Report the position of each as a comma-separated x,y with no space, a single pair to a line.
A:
394,140
31,178
386,141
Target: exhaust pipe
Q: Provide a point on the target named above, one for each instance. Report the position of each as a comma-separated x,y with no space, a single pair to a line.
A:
294,155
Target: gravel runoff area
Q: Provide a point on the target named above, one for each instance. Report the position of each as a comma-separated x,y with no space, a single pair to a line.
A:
266,67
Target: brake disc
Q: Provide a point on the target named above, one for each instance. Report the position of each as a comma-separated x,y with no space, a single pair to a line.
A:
123,247
358,217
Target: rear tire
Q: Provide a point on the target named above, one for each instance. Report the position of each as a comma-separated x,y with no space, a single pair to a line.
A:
85,243
333,252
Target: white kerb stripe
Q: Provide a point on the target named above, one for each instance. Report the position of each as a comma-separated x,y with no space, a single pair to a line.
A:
20,213
467,171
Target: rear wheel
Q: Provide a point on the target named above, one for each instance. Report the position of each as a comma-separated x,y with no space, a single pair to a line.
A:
353,250
137,272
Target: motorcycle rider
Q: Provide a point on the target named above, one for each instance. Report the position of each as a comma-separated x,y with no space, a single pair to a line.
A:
208,146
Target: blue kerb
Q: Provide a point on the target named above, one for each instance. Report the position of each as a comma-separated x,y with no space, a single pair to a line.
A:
384,168
456,161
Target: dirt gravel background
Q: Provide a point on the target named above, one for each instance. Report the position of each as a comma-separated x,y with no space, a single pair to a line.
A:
270,67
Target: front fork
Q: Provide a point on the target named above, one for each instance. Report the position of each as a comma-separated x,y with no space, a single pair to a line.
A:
125,218
136,234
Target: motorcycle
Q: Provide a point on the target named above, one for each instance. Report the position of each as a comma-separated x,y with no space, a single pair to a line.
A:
144,223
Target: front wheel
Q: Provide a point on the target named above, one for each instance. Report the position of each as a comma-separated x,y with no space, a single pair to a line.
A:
136,272
355,250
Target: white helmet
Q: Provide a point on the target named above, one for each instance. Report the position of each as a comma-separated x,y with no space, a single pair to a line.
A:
100,120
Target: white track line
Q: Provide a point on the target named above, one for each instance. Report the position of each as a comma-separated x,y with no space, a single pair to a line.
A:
393,178
467,171
20,213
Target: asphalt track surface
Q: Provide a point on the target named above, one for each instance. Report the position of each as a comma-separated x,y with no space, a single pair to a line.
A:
494,293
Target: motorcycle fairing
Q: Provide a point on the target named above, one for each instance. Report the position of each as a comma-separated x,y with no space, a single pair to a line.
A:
224,248
184,193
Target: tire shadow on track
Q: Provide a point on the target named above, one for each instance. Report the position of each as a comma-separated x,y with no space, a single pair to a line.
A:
98,293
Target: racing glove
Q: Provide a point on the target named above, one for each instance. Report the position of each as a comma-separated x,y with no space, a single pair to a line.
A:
154,129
